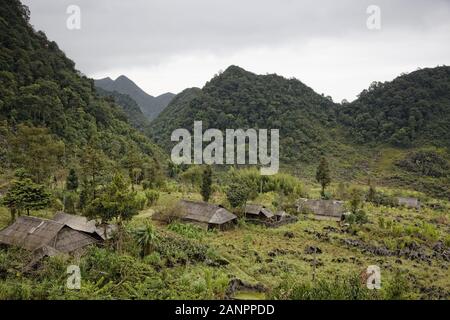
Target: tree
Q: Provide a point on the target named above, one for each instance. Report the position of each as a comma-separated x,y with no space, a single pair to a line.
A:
146,237
355,200
372,193
115,202
237,195
94,164
26,195
36,150
133,162
358,215
72,180
153,175
323,175
206,189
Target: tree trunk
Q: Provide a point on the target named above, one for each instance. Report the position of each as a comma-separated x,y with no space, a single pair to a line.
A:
13,214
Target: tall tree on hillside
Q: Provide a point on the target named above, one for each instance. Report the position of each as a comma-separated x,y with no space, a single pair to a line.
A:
94,164
36,150
72,180
323,175
134,162
206,189
26,195
116,202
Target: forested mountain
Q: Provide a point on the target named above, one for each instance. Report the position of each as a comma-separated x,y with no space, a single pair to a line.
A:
48,109
150,106
240,99
412,110
408,114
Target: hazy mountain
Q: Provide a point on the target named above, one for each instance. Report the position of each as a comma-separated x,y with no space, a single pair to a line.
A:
150,106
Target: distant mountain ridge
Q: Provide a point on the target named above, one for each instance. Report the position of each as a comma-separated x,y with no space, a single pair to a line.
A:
150,106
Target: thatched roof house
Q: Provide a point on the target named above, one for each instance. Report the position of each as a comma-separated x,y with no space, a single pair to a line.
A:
322,209
413,203
34,233
205,215
257,211
66,233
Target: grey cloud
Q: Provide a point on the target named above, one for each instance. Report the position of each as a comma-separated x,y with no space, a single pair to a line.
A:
135,32
119,34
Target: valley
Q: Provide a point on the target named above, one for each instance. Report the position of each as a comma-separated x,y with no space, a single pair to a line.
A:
87,179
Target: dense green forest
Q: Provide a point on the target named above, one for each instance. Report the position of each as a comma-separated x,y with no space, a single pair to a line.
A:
411,110
408,114
51,115
129,106
240,99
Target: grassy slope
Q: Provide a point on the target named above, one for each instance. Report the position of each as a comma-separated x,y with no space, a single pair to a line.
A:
249,249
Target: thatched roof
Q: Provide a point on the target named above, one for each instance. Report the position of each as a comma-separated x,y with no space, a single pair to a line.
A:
204,212
30,232
257,209
325,208
69,240
33,233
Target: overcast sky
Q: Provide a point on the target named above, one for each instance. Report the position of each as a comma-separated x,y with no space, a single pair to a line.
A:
169,45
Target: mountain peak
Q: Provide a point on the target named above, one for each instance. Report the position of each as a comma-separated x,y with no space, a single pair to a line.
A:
123,78
233,69
149,105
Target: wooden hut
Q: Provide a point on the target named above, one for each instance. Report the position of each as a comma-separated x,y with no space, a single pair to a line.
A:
258,212
32,233
205,215
322,209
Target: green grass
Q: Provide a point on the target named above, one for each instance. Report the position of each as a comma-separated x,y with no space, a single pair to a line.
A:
259,255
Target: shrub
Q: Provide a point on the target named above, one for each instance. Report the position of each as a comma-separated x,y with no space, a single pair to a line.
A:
186,230
380,199
152,197
348,287
154,259
425,162
238,194
141,200
447,241
397,288
357,217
